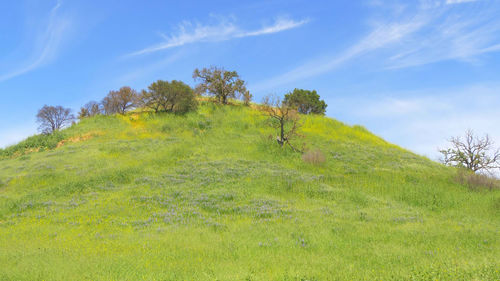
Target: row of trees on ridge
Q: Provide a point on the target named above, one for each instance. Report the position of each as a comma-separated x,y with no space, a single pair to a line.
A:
177,97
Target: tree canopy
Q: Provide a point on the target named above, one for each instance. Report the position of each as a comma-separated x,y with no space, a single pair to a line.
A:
220,83
174,96
306,101
53,118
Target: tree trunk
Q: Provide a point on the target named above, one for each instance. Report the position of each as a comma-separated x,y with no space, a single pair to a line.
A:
282,132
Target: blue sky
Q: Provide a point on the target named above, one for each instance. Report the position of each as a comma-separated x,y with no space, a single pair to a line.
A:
413,72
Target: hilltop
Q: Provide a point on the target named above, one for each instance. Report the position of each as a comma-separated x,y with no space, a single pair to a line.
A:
209,195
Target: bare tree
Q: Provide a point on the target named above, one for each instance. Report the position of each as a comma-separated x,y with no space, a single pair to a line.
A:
219,82
119,101
285,119
53,118
247,97
473,153
90,109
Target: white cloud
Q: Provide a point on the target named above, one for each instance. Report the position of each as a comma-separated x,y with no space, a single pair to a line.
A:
189,33
458,1
47,45
424,120
419,35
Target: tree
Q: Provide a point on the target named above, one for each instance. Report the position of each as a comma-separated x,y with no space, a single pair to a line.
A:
285,119
473,153
247,97
175,96
53,118
307,102
90,109
119,101
220,83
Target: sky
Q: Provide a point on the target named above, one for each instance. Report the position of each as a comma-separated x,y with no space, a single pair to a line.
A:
413,72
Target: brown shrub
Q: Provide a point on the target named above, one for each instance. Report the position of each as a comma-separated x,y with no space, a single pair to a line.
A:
315,157
477,181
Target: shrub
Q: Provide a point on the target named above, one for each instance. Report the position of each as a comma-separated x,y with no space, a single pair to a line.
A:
476,181
315,157
34,143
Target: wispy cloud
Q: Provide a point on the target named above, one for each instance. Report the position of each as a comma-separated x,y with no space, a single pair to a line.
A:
46,46
423,120
189,33
417,35
459,1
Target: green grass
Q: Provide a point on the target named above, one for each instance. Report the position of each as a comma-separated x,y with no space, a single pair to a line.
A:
209,196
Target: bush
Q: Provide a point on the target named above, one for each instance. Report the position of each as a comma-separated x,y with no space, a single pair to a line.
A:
34,143
315,157
476,181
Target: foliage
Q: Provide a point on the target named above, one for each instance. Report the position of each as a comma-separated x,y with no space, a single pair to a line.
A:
166,96
247,97
203,196
90,109
306,101
34,143
220,83
53,118
119,101
472,153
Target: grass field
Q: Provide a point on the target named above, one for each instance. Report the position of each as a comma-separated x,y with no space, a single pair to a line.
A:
210,196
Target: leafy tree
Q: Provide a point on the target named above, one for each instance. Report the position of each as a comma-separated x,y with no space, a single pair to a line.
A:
119,101
90,109
175,96
473,153
285,119
306,102
220,83
53,118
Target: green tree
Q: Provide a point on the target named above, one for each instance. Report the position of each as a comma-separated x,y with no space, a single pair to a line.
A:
220,83
174,96
306,101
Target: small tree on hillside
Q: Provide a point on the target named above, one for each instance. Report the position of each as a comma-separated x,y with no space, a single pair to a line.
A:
119,101
285,118
90,109
473,153
220,83
247,97
306,102
53,118
175,96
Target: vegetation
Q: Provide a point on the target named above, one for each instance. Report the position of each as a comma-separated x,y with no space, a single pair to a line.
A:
472,153
166,96
53,118
120,101
220,83
306,102
283,117
90,109
207,196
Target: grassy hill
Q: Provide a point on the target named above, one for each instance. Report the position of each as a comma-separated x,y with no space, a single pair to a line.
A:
210,196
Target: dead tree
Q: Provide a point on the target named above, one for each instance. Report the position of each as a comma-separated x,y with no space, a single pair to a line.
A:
285,119
473,153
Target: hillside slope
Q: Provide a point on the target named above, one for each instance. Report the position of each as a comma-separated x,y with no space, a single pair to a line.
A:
210,196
